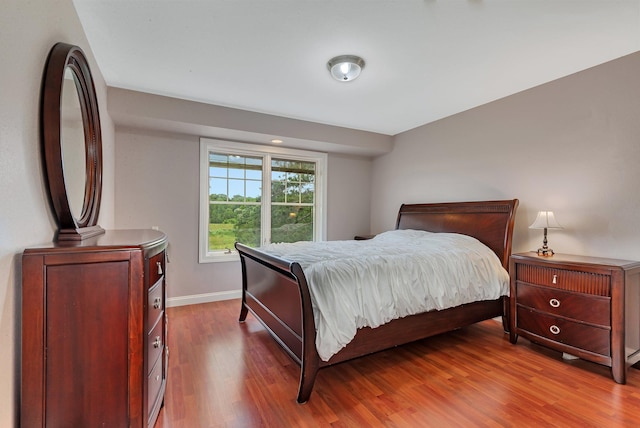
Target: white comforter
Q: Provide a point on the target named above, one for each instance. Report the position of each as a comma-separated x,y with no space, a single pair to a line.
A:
356,284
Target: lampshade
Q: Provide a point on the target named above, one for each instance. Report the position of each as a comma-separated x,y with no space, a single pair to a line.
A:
545,220
345,67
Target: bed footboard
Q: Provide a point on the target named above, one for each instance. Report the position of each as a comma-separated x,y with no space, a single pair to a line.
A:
276,292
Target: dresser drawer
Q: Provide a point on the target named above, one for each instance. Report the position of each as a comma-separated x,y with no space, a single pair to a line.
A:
154,382
155,304
572,280
583,307
564,331
156,268
155,342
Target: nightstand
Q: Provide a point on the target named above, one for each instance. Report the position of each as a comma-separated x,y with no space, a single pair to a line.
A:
588,307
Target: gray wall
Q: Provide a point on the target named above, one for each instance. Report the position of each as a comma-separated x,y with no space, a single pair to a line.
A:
28,31
571,146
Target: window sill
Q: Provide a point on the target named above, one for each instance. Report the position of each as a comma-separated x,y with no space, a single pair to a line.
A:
220,257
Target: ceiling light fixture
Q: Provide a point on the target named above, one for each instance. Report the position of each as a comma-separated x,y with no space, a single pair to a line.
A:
276,141
345,67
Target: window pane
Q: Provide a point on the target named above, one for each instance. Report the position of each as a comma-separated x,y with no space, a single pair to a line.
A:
307,178
277,191
218,158
293,193
236,190
279,165
291,173
290,223
217,165
236,171
278,175
229,223
218,189
309,167
217,171
254,168
234,166
254,174
254,191
235,160
292,185
239,179
307,193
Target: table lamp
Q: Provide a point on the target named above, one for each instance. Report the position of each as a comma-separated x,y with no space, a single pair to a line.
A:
545,220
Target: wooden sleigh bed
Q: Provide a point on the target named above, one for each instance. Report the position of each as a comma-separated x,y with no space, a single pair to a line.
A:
277,294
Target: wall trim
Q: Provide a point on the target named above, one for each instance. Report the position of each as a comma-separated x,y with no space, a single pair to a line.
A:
203,298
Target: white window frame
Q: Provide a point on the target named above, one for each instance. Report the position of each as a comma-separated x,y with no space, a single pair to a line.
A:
267,152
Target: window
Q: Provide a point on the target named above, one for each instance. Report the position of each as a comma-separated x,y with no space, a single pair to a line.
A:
256,195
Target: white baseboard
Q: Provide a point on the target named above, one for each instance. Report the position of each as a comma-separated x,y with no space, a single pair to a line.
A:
203,298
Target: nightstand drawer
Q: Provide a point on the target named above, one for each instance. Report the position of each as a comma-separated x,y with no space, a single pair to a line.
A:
572,280
589,338
583,307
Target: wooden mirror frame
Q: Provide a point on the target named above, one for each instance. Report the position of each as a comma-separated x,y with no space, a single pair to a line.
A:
62,57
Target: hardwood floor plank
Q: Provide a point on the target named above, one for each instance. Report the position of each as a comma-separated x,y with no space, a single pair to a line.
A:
228,374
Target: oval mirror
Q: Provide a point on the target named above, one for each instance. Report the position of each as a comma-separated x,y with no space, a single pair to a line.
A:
72,143
73,146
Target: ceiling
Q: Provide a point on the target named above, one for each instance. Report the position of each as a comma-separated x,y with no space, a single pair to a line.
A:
425,59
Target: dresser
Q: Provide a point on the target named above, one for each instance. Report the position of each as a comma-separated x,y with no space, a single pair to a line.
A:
94,331
587,307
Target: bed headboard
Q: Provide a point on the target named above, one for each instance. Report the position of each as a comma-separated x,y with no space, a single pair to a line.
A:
491,222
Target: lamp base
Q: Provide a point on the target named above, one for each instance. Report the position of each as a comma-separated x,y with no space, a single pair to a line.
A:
545,251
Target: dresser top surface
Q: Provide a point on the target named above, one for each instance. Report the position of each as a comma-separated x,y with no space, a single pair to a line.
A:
121,238
576,260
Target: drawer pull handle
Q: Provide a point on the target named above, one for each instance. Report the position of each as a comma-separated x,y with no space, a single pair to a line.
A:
554,303
157,343
160,268
157,302
554,329
555,279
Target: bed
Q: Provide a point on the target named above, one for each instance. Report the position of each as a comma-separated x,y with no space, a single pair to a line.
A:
276,291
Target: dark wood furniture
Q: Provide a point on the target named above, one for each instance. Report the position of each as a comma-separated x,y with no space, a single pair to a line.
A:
93,331
276,291
584,306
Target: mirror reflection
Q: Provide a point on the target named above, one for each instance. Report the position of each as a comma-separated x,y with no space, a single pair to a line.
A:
73,144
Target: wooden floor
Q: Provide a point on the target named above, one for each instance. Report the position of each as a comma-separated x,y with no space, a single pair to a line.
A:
226,374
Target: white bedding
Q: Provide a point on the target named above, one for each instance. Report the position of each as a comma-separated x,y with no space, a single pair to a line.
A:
356,284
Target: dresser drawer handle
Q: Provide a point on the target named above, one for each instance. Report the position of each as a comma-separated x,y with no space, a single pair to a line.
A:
555,279
157,302
554,329
157,343
554,303
160,268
